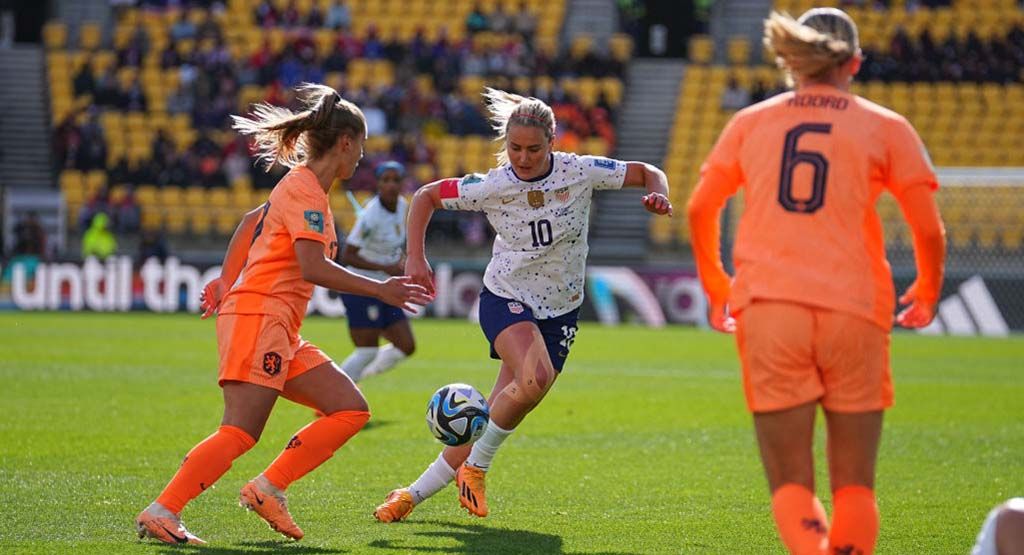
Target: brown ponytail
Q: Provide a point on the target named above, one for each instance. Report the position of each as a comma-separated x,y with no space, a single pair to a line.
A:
291,139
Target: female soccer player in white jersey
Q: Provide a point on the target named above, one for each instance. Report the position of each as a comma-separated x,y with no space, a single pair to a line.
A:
375,248
538,201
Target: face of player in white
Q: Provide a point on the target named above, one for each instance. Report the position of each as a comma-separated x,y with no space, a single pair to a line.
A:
388,188
528,151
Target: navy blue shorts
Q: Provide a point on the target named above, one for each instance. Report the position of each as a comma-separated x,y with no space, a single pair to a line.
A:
498,313
370,312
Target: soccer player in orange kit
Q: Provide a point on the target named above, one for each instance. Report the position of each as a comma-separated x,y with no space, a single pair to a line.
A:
812,300
285,246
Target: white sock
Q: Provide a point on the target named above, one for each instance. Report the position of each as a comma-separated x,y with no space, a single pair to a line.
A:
357,361
434,479
485,447
386,359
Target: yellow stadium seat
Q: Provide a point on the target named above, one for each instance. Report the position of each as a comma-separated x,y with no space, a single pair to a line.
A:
739,51
55,35
201,222
175,220
702,49
152,218
90,35
621,46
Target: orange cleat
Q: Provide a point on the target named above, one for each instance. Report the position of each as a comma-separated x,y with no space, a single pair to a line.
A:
396,507
261,496
160,523
470,480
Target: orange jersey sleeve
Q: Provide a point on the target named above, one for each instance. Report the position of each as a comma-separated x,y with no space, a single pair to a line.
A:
272,281
811,165
720,177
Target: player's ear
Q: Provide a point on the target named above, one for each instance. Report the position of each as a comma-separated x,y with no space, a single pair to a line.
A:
855,62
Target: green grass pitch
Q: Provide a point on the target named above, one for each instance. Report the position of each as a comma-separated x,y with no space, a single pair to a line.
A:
644,445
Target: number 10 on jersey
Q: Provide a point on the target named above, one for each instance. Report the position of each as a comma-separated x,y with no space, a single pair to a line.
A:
542,235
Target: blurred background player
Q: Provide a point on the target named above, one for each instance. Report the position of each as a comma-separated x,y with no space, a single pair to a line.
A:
1003,530
538,202
285,246
813,294
375,248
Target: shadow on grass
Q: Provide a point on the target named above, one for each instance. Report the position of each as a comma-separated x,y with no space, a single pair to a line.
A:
475,538
263,547
375,423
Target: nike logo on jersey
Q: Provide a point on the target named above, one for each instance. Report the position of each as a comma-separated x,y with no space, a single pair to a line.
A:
507,200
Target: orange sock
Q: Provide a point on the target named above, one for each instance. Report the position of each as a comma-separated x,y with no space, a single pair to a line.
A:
204,465
801,519
854,521
313,445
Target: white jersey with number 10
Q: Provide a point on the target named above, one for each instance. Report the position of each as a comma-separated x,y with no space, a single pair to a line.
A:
540,252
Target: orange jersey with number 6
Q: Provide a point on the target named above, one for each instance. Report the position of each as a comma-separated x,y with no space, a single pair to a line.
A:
812,165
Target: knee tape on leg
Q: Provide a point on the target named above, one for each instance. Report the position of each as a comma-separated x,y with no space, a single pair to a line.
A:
534,377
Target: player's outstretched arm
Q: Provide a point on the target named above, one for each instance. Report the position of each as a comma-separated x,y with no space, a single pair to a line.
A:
318,269
703,211
922,214
654,181
424,202
234,261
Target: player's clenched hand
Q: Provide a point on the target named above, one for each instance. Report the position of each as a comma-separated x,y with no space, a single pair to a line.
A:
918,314
209,299
657,203
417,268
401,291
720,320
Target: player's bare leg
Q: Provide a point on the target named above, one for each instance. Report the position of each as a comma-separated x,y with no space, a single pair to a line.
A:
521,346
785,438
853,440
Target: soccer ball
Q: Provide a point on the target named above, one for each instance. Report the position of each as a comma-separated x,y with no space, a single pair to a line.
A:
457,414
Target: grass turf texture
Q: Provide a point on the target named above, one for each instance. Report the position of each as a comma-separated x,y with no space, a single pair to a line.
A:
644,445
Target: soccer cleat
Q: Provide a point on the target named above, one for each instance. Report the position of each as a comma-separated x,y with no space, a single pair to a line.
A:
470,480
271,506
159,523
396,507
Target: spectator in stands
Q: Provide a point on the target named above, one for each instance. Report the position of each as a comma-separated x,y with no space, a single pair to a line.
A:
339,16
107,94
127,213
152,245
29,236
91,153
376,121
266,15
99,203
499,21
735,97
132,98
524,22
476,21
98,241
84,83
758,93
180,101
182,28
336,61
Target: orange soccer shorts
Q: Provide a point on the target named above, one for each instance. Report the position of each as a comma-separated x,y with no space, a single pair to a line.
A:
263,349
793,354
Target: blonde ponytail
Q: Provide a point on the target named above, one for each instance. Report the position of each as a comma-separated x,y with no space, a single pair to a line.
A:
507,109
811,47
292,139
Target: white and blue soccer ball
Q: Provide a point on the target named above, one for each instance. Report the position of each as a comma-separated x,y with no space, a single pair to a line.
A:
457,414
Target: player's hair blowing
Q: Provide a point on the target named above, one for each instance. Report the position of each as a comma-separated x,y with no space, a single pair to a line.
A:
810,47
291,139
507,109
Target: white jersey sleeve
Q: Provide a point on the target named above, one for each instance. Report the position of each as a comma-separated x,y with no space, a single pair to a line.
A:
603,173
469,193
379,234
357,235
